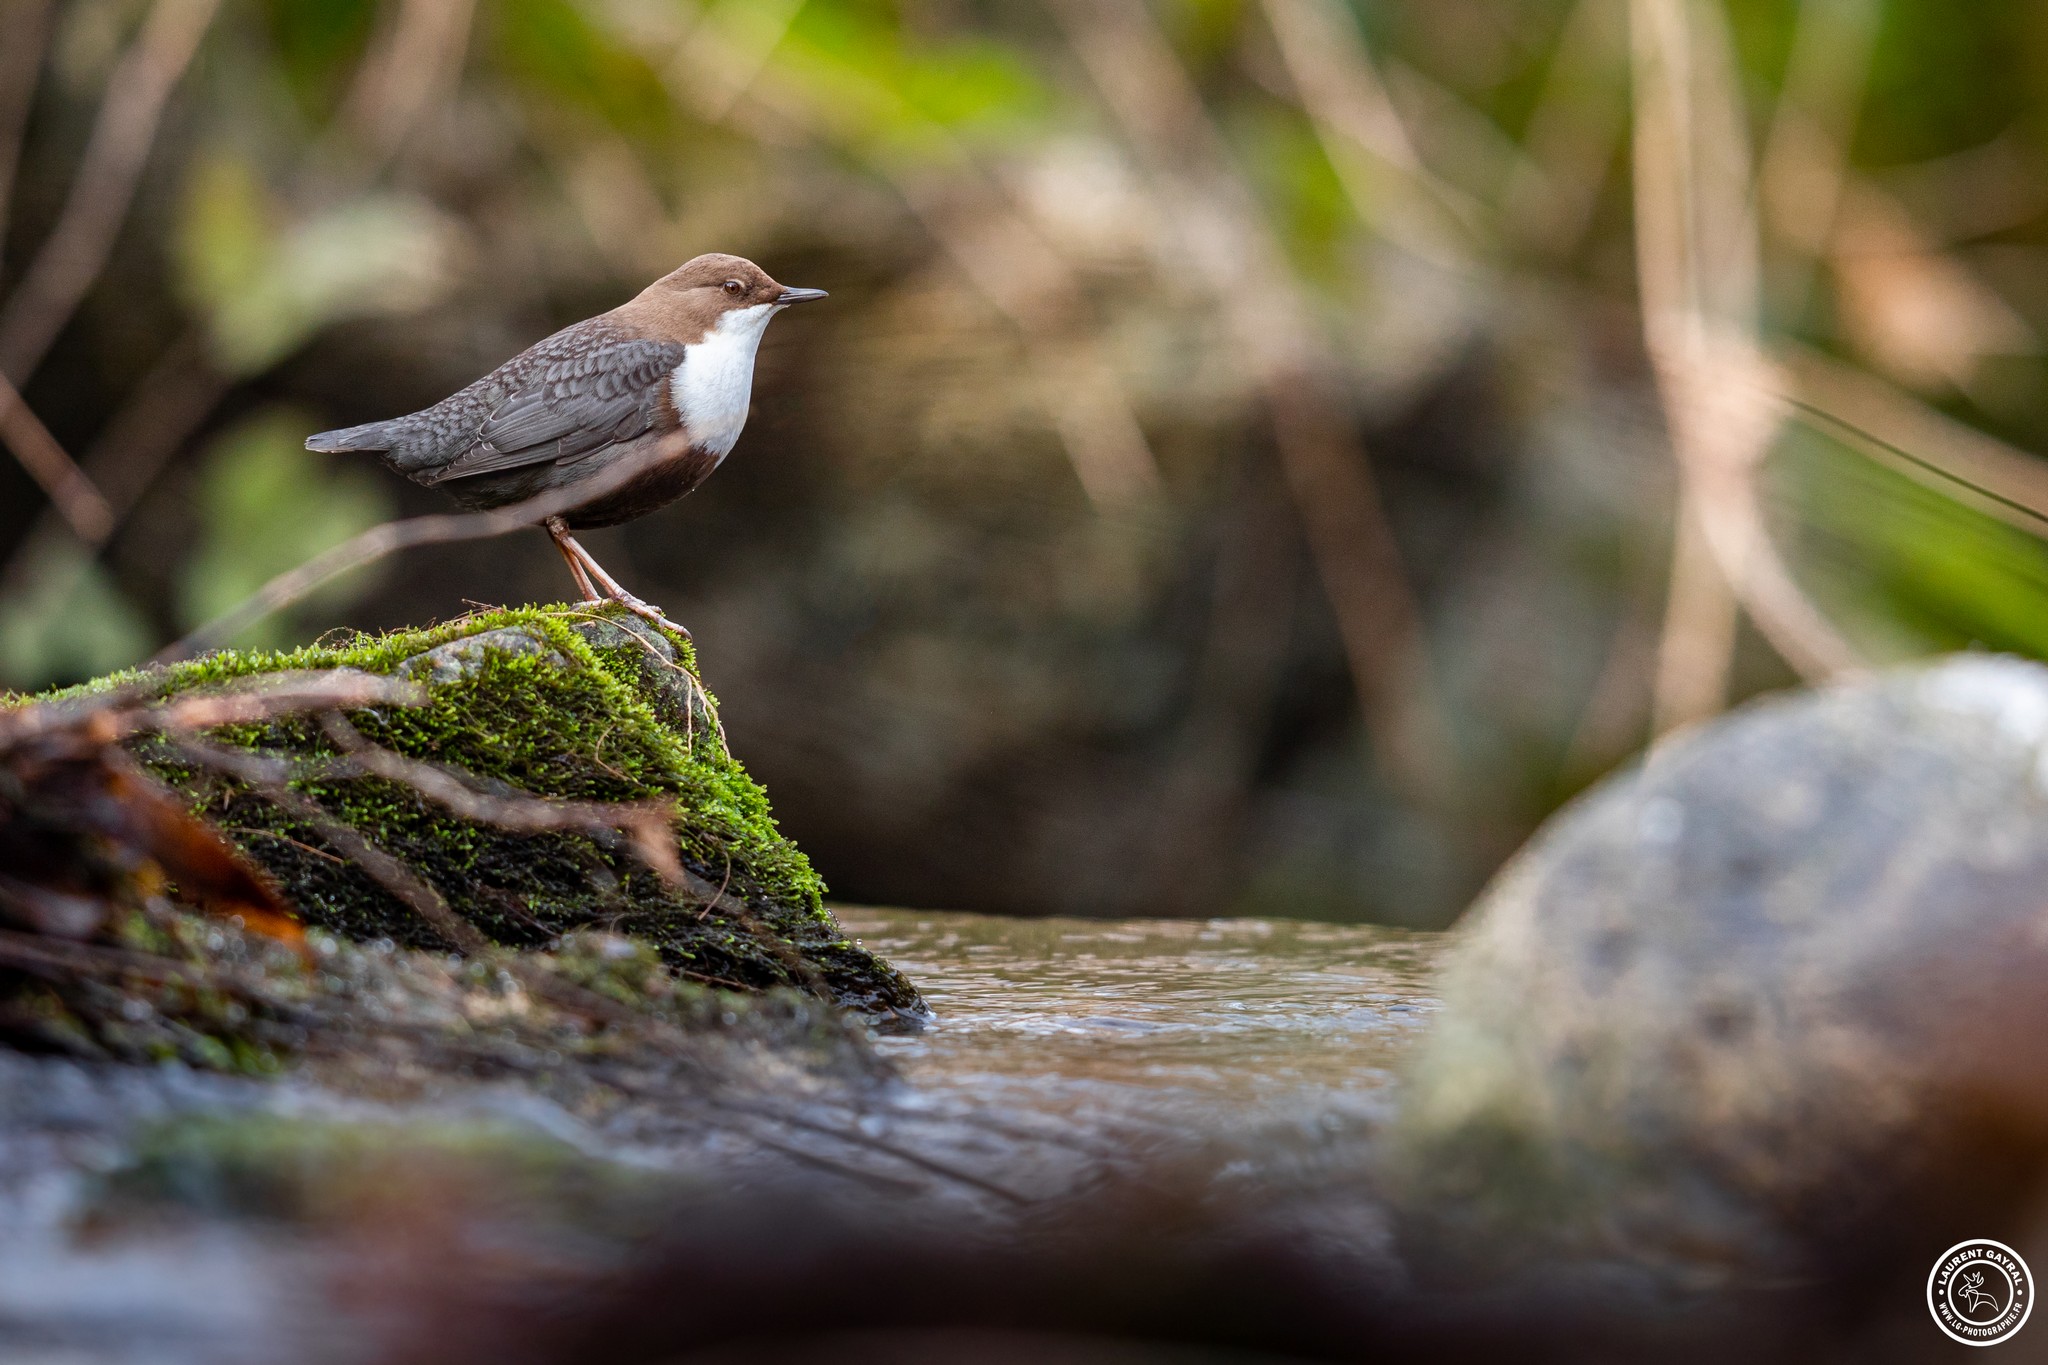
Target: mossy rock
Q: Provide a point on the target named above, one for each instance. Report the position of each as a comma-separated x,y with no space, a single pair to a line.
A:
576,702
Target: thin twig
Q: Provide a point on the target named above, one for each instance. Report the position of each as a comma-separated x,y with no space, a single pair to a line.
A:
27,23
995,247
1351,113
1803,172
855,1138
256,833
176,396
638,632
389,537
113,716
270,778
646,824
76,249
55,472
1579,118
1923,471
151,425
1878,414
266,777
1233,251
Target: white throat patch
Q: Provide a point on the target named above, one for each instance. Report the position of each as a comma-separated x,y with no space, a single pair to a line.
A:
715,382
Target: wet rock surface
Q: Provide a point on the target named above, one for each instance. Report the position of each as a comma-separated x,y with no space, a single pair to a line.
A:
1772,1000
563,703
1720,1063
530,1140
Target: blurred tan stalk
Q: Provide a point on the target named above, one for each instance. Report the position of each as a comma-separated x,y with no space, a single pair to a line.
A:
1364,137
26,24
1698,273
416,60
1804,171
54,471
76,249
78,243
723,61
409,70
131,449
1231,250
1922,442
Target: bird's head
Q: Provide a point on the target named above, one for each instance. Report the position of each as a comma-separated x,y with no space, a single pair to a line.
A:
715,282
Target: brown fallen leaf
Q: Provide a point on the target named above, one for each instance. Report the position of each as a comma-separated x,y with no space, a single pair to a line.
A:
84,828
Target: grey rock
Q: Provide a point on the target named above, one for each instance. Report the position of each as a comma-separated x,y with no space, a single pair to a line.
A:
679,699
1773,994
461,658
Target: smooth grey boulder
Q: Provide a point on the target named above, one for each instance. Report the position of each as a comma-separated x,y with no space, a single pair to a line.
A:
1775,999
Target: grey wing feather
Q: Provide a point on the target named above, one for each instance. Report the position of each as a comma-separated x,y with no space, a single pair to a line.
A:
580,390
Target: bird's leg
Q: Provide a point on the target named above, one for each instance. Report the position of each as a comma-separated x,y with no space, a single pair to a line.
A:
558,532
617,591
613,588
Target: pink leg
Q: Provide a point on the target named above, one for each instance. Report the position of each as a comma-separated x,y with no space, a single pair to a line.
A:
558,531
612,587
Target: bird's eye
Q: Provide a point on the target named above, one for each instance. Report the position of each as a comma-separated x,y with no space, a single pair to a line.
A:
735,288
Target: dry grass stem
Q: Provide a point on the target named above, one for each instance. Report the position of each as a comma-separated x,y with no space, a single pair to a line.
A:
1804,171
416,60
117,715
1354,118
1232,251
151,425
387,538
271,778
1007,260
77,246
53,469
27,25
1921,441
404,75
645,824
111,717
1580,117
1698,273
728,49
1696,649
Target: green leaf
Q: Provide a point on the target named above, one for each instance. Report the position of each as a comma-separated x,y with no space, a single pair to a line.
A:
1898,553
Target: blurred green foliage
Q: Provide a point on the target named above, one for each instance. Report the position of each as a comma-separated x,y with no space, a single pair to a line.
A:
970,677
267,504
71,620
265,285
1911,563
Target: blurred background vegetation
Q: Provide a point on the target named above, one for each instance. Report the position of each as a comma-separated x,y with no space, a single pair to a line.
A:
1260,456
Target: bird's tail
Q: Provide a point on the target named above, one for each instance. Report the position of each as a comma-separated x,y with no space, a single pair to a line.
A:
373,436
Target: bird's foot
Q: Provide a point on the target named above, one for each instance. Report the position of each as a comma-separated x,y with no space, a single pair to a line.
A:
647,611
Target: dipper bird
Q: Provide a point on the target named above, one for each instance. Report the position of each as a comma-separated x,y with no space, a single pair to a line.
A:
661,381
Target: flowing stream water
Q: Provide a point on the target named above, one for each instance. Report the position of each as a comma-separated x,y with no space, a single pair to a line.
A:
1122,1030
1062,1049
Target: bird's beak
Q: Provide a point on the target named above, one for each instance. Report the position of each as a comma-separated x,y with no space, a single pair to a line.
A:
799,295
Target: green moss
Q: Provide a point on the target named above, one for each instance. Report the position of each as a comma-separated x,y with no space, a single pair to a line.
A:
578,702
